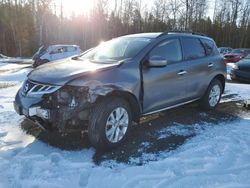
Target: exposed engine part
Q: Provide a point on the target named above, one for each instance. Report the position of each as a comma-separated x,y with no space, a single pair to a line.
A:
40,112
73,103
83,115
70,105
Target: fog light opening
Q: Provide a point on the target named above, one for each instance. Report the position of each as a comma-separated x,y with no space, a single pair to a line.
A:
43,113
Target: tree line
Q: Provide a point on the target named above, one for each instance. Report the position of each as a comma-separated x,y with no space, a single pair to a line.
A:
27,24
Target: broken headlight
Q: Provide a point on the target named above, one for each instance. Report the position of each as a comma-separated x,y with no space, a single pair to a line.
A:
70,96
64,95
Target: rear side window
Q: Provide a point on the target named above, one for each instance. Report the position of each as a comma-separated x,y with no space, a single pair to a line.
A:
209,46
192,48
170,50
71,48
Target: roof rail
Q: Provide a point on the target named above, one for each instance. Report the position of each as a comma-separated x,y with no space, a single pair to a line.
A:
181,31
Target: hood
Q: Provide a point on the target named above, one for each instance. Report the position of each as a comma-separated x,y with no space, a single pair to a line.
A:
244,64
61,72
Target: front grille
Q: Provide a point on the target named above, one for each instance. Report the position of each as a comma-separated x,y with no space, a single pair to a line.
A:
31,88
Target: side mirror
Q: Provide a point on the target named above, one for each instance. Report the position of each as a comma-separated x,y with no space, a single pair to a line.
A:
157,61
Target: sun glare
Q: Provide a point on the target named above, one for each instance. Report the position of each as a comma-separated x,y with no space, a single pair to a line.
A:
76,6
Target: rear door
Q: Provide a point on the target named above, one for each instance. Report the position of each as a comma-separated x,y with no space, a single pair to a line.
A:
199,66
71,51
164,86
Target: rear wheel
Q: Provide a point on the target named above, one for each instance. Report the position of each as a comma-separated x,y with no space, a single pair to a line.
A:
212,96
109,123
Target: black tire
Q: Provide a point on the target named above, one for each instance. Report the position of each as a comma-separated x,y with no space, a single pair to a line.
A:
98,120
204,101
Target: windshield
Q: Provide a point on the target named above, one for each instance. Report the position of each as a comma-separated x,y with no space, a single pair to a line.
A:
116,50
42,50
223,49
237,51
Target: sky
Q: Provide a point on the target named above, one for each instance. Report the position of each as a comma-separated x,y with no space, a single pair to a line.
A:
84,6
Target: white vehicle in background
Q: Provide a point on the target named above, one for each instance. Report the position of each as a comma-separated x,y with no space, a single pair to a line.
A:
46,54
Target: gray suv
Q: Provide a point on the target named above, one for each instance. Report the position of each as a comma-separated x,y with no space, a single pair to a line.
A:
117,82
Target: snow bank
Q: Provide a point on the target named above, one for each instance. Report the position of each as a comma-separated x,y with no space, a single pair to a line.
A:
14,72
17,60
241,91
18,75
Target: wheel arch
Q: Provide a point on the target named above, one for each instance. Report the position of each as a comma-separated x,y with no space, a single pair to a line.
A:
128,97
222,79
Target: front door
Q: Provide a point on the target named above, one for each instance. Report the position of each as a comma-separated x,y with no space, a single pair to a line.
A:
164,86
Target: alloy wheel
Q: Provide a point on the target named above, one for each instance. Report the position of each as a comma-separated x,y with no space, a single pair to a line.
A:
214,95
117,125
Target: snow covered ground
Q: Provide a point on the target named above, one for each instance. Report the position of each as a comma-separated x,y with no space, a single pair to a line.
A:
15,60
218,156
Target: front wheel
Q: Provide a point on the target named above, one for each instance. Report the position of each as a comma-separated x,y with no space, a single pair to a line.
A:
212,96
109,123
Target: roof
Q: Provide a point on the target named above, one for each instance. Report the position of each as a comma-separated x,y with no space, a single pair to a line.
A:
144,35
159,34
63,45
242,49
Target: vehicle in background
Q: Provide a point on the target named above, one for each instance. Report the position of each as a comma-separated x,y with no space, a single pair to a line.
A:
122,80
241,70
236,55
225,50
46,54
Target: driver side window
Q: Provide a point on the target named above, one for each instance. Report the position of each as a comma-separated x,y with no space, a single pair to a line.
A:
169,49
58,50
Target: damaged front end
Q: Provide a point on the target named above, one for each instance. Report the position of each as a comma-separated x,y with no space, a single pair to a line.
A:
69,107
54,107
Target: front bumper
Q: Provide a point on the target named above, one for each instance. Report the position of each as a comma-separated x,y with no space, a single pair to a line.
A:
30,107
37,109
33,111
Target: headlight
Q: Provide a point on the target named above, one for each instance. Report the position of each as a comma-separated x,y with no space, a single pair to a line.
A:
235,66
67,94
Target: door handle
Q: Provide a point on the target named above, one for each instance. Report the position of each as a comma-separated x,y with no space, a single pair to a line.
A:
210,65
182,72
